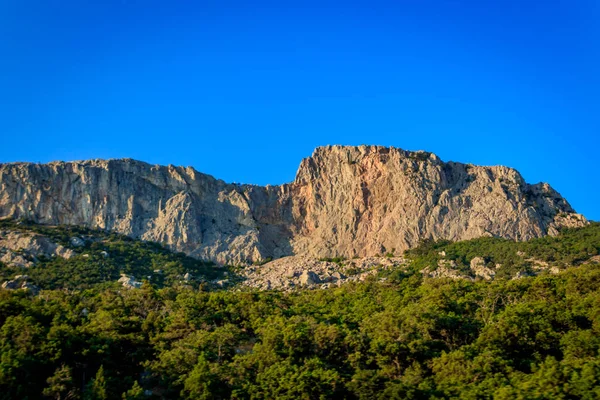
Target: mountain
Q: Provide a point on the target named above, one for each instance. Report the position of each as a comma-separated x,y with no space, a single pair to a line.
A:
345,201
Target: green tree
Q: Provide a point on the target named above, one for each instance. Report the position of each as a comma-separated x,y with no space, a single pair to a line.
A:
135,393
96,389
60,385
201,382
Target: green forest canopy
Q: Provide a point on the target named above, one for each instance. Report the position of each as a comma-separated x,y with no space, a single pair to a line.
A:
407,337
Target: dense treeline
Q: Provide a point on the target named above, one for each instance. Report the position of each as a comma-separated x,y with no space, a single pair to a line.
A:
405,338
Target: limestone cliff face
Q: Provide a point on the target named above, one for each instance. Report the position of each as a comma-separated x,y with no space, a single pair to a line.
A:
345,201
368,200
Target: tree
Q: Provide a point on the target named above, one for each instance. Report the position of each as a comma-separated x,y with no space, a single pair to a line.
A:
135,393
60,385
96,389
200,383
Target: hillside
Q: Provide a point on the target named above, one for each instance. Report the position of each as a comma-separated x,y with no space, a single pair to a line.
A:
345,201
67,257
398,334
75,258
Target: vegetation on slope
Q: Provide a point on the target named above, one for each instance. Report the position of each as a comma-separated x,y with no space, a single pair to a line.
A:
571,247
103,258
411,338
408,337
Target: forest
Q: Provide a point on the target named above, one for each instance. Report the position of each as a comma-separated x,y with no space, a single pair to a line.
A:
399,335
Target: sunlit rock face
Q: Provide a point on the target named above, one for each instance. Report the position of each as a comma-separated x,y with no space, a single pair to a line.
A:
345,201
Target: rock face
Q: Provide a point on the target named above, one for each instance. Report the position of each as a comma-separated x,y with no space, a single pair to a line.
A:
21,249
345,201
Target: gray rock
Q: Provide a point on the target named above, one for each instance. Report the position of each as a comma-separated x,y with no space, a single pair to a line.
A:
129,282
33,289
23,249
338,276
345,201
10,285
479,269
21,282
77,241
309,278
289,273
221,282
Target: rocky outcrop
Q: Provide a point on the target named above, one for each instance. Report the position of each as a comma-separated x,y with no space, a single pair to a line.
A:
479,268
296,272
129,282
22,249
345,201
20,282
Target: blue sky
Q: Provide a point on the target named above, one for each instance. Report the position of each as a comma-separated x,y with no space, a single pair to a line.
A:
244,90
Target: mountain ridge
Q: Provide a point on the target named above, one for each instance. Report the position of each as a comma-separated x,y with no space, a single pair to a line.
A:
344,200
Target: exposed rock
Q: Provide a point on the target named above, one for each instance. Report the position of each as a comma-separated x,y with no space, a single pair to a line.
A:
15,260
445,270
479,269
221,282
309,278
449,264
21,282
129,282
77,242
33,289
22,249
16,283
289,273
538,265
337,276
521,274
594,260
295,272
345,201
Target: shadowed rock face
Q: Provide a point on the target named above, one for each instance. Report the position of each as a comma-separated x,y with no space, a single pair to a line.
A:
345,201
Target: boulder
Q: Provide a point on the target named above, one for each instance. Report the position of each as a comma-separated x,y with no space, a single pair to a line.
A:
129,282
77,241
309,278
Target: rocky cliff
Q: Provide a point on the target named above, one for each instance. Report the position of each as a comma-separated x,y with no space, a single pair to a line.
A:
345,201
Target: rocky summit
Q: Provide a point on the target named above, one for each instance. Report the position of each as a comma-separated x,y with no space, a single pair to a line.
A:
346,201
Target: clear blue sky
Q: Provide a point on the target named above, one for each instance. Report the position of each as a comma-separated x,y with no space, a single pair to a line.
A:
244,90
